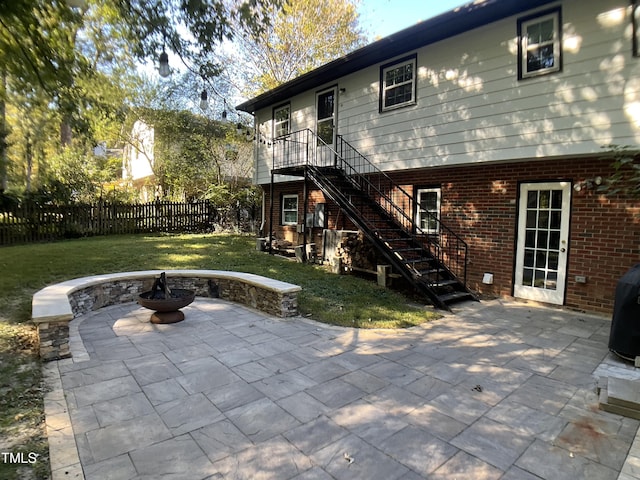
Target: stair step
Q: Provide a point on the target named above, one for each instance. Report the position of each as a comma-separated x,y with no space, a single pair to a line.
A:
625,393
431,271
417,260
410,249
443,283
454,296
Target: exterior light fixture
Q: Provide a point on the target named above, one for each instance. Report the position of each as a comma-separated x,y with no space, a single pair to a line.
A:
224,111
164,69
203,100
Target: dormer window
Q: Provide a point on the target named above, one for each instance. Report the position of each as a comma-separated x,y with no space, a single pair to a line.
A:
539,51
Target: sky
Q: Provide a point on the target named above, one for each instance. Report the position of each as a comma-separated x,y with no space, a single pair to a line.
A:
381,18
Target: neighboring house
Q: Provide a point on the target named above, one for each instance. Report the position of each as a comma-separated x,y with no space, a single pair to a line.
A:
138,158
488,123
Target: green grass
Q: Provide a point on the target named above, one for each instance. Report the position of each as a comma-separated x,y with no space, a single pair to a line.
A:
338,300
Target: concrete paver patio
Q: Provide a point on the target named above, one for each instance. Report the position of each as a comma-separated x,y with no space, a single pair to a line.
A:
498,390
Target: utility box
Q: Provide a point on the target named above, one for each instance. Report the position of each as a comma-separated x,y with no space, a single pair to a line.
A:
624,338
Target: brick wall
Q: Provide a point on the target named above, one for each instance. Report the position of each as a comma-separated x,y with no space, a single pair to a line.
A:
479,202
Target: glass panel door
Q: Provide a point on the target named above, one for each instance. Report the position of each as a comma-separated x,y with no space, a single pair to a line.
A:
541,255
326,125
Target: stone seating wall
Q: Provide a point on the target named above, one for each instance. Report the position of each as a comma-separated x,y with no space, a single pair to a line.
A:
55,306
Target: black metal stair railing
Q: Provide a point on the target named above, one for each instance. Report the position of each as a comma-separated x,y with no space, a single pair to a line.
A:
305,148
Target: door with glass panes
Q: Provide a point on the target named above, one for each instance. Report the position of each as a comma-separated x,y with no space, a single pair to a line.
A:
326,114
543,241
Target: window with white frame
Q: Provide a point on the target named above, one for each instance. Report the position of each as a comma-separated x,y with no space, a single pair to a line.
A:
289,209
539,48
398,84
428,209
281,120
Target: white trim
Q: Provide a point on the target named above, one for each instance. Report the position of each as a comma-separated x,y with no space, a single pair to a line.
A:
282,209
555,43
384,88
438,192
333,118
542,293
277,123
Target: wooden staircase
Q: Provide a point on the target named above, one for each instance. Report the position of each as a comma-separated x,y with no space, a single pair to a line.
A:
434,262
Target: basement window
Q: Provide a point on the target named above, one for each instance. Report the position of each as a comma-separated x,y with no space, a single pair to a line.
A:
289,209
540,38
398,84
428,210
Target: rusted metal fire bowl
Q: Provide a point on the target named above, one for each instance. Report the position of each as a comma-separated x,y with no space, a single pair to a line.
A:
167,310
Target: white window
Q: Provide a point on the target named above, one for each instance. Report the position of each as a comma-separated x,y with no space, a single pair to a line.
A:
289,209
281,121
398,84
539,50
428,210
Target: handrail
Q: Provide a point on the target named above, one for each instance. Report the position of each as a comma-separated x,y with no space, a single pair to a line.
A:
304,147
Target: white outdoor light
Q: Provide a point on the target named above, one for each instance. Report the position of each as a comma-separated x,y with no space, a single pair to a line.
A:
164,70
204,100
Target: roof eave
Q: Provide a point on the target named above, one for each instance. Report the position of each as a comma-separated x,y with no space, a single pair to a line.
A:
441,27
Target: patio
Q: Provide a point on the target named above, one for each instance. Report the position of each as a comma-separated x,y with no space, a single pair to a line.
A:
498,390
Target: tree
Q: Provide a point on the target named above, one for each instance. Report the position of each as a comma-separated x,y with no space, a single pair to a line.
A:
302,36
75,58
193,152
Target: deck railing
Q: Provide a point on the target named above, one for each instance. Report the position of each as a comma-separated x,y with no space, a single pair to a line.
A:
305,148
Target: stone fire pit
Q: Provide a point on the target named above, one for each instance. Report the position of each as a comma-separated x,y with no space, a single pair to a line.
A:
165,302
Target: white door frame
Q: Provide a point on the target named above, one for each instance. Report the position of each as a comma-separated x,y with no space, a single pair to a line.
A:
542,245
325,156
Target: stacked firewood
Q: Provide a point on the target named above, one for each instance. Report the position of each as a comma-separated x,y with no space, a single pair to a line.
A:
281,244
356,252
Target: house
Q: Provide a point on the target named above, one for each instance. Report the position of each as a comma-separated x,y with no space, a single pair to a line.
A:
138,160
468,149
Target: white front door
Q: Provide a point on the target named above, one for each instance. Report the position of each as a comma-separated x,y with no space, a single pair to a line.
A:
543,241
326,113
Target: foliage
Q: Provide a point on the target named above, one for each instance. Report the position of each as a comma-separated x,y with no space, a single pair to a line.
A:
65,71
303,35
192,153
21,403
625,179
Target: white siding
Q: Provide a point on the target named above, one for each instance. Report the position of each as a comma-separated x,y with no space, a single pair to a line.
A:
472,108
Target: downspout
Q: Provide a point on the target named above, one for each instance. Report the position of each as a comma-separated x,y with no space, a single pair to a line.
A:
270,239
305,193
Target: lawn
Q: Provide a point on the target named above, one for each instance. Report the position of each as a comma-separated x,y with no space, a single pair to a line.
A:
338,300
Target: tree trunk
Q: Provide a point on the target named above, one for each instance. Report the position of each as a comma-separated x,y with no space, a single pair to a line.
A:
4,159
66,135
29,162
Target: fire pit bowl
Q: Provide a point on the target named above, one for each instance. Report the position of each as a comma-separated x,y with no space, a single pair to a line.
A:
166,303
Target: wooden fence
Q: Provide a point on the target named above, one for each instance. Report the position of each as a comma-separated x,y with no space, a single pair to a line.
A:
31,222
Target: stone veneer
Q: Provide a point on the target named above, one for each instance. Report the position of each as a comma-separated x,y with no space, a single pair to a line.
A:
55,306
